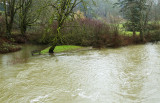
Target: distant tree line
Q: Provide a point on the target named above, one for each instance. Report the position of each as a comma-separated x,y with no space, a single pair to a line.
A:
138,13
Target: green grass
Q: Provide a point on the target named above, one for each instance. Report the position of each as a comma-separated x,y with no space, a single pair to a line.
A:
128,33
62,48
153,22
123,31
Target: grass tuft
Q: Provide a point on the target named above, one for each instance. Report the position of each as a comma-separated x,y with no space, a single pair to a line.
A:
62,48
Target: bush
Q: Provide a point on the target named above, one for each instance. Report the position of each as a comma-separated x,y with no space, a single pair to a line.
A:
155,36
83,32
153,26
88,32
7,47
44,34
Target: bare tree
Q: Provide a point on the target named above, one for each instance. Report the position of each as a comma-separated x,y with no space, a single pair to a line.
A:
11,7
24,17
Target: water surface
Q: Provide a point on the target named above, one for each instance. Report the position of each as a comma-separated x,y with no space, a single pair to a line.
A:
124,75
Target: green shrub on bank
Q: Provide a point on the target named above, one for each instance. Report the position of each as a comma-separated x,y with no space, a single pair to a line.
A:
153,26
155,36
7,47
91,32
87,32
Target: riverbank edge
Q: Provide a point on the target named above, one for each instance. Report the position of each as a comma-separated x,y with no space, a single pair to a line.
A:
12,44
8,45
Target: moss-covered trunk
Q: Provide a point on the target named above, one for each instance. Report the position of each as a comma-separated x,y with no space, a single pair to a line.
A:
51,50
56,40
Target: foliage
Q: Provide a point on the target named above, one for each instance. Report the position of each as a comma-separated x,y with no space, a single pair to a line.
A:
80,22
155,36
137,14
63,9
153,26
85,32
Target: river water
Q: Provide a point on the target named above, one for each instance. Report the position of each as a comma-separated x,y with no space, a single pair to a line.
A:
124,75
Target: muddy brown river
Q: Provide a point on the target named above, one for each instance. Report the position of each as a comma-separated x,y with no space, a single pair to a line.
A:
125,75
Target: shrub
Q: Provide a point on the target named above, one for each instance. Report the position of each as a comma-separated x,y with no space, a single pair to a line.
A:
6,47
153,26
88,32
155,36
83,32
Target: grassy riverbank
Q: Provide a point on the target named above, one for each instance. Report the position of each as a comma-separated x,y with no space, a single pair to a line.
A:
62,48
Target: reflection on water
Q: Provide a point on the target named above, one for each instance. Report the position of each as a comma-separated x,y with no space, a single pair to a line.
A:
124,75
20,56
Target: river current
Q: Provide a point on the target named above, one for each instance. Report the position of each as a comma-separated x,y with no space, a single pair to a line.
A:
124,75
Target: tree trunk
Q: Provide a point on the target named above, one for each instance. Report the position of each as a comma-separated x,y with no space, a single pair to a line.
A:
141,36
51,50
8,30
54,44
9,18
56,39
134,33
23,29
